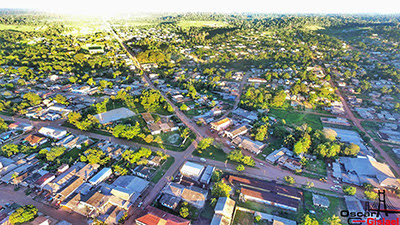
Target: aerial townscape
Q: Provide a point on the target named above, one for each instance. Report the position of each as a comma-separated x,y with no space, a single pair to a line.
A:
199,118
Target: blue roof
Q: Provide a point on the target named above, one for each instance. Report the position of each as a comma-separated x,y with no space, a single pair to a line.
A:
99,175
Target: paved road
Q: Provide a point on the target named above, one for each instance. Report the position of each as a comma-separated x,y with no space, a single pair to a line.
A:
8,195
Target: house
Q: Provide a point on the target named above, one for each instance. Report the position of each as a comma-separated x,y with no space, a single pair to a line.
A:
52,132
257,80
100,176
114,115
292,164
275,220
193,195
69,188
25,127
252,146
221,124
241,130
154,216
365,169
148,118
224,210
40,220
207,174
35,139
154,161
275,155
268,198
169,201
281,190
154,128
62,168
43,180
192,170
128,188
143,171
320,201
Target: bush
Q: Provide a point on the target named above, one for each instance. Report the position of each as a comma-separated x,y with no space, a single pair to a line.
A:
349,190
240,168
289,180
370,195
23,214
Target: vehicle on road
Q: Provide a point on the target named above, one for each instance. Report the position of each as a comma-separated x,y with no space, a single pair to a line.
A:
203,159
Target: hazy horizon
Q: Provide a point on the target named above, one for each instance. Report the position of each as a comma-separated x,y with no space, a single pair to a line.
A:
116,7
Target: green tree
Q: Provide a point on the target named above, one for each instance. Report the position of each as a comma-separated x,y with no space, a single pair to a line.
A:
205,143
23,214
9,150
61,99
289,179
333,220
184,107
351,150
74,117
3,125
216,176
185,134
308,220
32,98
95,156
119,170
235,155
240,167
371,195
349,190
261,133
184,212
53,153
220,189
279,99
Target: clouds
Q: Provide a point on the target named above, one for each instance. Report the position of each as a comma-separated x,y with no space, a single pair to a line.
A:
227,6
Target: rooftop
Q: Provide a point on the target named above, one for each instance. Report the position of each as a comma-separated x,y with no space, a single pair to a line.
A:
114,115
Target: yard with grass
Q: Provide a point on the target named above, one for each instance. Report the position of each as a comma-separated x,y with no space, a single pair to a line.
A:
297,118
273,144
160,172
243,218
211,152
268,209
317,166
208,211
335,206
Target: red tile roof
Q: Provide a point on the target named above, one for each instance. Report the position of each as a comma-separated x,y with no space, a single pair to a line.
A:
156,216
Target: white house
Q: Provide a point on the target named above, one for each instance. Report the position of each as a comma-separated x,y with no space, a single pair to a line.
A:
52,132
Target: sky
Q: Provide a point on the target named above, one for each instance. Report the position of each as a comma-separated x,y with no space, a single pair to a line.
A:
112,7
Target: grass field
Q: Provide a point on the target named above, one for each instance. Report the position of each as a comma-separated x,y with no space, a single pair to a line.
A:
313,27
297,118
211,152
23,28
206,23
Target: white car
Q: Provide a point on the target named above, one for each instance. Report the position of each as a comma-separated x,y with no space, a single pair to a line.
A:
203,159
